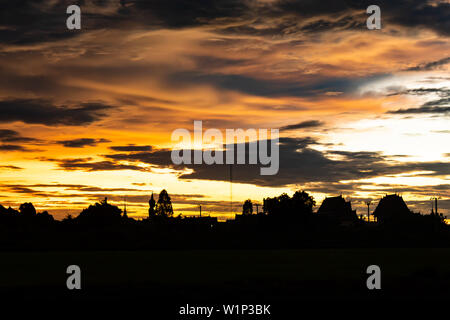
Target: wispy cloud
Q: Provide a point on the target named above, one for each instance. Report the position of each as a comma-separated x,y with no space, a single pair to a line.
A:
303,125
40,111
82,142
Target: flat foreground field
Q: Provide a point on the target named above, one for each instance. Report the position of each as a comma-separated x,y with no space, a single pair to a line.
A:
232,275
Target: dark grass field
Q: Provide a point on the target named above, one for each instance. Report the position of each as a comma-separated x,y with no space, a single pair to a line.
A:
240,275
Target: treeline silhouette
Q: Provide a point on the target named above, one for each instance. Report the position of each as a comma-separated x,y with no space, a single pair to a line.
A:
284,222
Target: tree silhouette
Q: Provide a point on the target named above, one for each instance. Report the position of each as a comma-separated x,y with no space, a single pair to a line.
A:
302,202
151,209
164,205
44,217
27,209
299,206
247,208
100,214
277,205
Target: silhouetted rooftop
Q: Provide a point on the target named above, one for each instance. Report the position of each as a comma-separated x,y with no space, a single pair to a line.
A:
391,207
337,208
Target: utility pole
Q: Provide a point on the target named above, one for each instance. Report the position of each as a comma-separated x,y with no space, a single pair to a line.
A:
257,206
368,210
200,206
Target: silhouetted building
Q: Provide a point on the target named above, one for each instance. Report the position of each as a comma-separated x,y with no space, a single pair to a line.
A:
245,219
392,208
337,210
211,221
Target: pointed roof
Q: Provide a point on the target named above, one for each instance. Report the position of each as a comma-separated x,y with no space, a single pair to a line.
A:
337,208
391,206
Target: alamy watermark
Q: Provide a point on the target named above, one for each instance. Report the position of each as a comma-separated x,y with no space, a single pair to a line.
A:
374,280
74,279
209,147
74,20
373,22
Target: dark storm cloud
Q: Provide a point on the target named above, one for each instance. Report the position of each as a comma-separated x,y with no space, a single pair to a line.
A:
276,21
421,110
439,102
12,147
287,16
40,111
7,135
430,65
88,165
442,92
11,168
181,13
440,106
303,125
82,142
160,157
273,88
32,21
97,189
23,189
131,148
418,13
360,155
406,13
13,141
299,164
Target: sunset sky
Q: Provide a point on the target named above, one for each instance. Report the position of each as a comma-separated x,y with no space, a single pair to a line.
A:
89,113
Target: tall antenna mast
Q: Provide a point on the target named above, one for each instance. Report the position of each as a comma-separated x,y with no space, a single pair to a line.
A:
435,205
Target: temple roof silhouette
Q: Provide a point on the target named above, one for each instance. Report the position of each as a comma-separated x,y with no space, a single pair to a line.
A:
337,209
391,207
